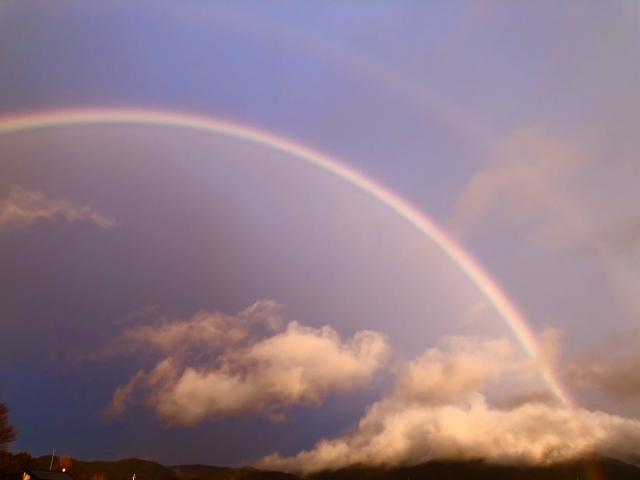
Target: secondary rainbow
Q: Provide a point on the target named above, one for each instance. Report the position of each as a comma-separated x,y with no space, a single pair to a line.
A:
473,270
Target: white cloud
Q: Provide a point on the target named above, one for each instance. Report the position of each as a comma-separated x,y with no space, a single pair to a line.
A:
393,434
438,411
216,365
22,207
442,376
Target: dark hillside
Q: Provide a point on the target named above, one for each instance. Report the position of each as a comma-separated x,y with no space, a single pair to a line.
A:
148,470
207,472
478,470
607,469
120,470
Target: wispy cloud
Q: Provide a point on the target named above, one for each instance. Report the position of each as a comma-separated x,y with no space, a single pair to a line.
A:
531,185
22,207
217,365
438,411
520,185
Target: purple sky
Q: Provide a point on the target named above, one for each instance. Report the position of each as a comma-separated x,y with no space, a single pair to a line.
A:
514,126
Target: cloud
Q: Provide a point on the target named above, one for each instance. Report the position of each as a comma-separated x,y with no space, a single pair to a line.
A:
617,246
218,365
438,411
612,368
461,366
521,183
22,207
560,197
442,376
533,433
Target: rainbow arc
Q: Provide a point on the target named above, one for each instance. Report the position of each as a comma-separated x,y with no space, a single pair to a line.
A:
473,270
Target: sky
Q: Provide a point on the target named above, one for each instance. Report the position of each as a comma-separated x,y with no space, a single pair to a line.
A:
189,296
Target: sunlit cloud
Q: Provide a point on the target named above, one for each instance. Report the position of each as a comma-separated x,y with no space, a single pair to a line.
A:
533,433
215,364
439,410
22,207
457,368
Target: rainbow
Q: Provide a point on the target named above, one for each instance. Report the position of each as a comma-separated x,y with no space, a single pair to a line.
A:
491,290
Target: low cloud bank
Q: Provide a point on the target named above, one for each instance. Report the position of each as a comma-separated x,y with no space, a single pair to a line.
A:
217,365
438,411
23,207
409,434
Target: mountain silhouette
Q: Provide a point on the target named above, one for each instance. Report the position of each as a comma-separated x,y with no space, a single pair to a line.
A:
595,469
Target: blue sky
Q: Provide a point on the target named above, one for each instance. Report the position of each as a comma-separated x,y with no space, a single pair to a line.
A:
511,125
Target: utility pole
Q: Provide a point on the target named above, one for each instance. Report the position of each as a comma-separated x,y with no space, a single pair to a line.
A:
52,454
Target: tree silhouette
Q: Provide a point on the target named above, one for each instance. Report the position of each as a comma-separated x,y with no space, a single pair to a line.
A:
12,466
8,433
